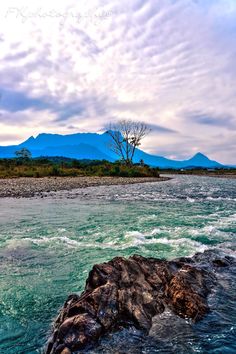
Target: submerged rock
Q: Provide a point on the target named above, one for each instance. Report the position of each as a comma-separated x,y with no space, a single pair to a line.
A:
130,292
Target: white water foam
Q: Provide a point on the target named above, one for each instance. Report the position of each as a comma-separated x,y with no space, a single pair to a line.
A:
173,236
136,238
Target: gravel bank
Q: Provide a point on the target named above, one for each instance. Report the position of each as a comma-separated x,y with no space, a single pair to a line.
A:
40,187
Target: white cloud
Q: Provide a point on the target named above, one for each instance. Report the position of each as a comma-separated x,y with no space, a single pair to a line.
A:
149,60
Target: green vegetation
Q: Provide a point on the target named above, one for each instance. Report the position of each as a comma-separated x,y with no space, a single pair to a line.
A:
59,166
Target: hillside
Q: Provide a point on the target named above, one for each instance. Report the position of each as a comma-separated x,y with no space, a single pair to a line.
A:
96,147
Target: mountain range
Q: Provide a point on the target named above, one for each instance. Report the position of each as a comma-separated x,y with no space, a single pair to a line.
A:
96,147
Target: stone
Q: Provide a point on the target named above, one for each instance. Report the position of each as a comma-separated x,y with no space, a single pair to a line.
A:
130,292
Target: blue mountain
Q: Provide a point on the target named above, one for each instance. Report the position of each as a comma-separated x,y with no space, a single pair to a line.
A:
95,147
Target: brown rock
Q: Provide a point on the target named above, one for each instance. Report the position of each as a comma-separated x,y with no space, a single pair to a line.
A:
125,292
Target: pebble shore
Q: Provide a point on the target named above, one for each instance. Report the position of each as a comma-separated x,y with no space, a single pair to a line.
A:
26,187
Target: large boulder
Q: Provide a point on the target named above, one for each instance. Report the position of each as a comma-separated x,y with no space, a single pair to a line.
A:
130,292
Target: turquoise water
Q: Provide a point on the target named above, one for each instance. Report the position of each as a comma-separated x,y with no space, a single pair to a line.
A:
47,247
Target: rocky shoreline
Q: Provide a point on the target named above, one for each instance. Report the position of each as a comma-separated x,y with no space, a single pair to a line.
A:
131,292
26,187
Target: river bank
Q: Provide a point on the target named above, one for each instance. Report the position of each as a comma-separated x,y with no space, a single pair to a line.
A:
26,187
230,175
202,174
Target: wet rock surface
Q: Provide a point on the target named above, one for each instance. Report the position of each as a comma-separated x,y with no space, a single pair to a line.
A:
125,293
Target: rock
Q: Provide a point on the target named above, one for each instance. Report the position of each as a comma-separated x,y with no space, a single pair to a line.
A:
220,262
130,292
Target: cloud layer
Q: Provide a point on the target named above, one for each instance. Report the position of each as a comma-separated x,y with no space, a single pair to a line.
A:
67,67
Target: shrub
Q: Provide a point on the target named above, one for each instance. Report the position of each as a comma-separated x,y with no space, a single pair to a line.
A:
55,171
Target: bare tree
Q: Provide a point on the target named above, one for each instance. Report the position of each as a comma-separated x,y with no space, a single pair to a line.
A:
126,136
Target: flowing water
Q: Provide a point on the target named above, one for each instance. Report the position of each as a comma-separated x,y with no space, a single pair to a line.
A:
47,247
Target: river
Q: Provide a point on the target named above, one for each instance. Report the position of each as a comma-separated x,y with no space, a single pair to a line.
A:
48,246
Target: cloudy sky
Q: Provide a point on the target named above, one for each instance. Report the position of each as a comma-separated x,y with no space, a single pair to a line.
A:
71,66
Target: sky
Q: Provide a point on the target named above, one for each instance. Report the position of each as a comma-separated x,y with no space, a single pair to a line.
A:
71,66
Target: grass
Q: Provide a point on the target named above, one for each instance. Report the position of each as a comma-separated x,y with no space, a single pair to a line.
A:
45,167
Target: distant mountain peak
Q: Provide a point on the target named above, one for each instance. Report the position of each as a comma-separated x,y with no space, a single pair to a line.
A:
29,140
199,155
